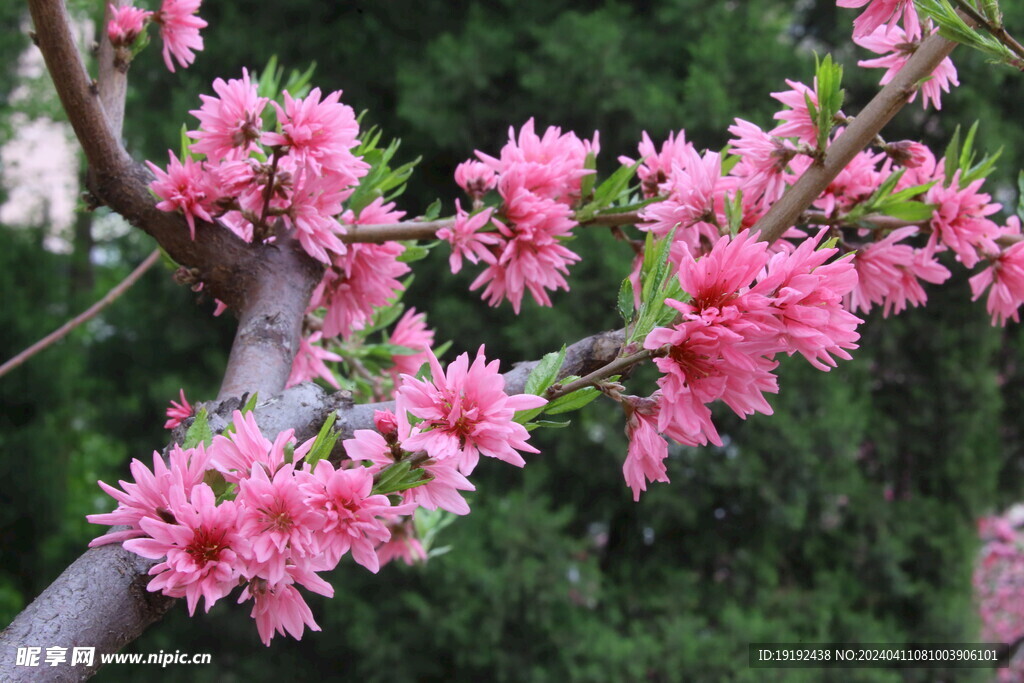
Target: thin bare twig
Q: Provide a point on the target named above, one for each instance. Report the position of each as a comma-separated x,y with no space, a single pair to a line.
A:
90,313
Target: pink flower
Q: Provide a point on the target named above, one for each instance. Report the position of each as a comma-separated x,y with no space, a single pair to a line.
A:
316,199
321,133
692,188
466,238
186,187
230,124
880,14
806,298
149,494
763,161
959,220
412,333
179,29
125,25
897,47
279,608
201,548
236,453
656,167
475,178
1006,278
888,274
178,411
309,362
647,449
532,256
464,413
797,121
550,166
909,154
403,544
352,514
274,516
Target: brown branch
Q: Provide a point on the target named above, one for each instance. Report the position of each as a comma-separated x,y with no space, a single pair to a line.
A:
113,72
862,130
998,31
91,312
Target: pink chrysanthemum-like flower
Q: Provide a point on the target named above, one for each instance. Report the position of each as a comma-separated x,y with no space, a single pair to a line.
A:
201,548
693,187
465,413
309,362
806,298
186,187
467,239
647,449
763,161
412,333
403,544
550,166
229,124
279,608
322,133
353,516
179,29
125,25
1006,278
889,274
275,518
897,47
148,495
316,199
882,14
959,220
178,411
796,121
656,167
238,453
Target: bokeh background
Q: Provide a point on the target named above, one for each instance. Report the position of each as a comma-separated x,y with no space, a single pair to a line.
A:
848,516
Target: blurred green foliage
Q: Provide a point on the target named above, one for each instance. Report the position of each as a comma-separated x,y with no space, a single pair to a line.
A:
847,516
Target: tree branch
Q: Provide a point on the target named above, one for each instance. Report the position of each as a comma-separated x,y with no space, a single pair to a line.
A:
113,73
858,135
83,317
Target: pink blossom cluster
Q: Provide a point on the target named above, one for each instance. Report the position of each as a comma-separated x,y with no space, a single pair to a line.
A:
538,179
179,29
745,306
251,179
272,524
999,583
247,511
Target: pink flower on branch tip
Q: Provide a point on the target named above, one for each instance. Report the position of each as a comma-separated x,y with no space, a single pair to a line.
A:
960,221
125,25
889,274
897,46
647,448
178,411
321,133
880,14
464,413
277,609
201,549
475,178
179,29
796,120
229,124
656,166
467,238
148,495
1004,279
186,187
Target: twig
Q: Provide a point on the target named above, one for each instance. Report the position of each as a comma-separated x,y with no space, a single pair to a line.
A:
858,135
616,367
998,31
84,317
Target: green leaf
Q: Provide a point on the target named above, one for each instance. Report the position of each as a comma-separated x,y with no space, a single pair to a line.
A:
250,405
571,402
1020,194
549,424
587,181
414,252
625,302
399,477
952,155
199,431
909,211
433,211
545,373
325,441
